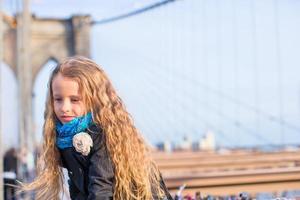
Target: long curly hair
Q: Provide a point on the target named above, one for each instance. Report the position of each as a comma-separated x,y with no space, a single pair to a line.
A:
136,175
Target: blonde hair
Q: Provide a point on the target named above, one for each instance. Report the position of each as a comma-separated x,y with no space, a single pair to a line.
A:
136,175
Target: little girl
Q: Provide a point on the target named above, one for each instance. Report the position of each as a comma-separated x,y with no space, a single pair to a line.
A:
88,131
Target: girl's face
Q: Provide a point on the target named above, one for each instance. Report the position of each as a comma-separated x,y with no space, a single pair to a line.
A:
68,102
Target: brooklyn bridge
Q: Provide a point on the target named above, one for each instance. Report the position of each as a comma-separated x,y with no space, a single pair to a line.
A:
183,68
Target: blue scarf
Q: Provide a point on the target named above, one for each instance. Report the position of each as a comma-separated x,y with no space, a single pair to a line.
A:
65,132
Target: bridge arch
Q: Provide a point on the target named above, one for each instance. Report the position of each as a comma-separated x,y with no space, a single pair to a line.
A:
44,39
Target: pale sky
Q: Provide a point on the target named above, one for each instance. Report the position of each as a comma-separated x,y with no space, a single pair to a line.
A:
231,67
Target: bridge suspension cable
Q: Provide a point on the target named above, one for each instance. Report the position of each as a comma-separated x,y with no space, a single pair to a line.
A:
167,64
233,100
279,67
132,13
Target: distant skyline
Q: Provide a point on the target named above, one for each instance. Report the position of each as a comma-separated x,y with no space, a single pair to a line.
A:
231,67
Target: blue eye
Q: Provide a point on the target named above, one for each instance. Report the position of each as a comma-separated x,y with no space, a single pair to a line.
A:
57,99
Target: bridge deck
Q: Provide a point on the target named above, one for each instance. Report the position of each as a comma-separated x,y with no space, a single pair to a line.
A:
231,173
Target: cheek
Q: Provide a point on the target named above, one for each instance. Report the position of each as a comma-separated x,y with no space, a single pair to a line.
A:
56,108
80,109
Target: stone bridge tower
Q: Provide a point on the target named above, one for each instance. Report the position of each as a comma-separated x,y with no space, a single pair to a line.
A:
29,42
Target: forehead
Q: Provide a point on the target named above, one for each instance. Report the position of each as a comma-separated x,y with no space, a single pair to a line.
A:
62,85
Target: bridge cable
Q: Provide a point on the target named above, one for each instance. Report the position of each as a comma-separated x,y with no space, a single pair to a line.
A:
279,67
237,123
235,40
219,60
132,13
205,52
255,66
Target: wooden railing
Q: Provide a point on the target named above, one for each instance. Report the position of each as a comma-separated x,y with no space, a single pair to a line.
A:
230,172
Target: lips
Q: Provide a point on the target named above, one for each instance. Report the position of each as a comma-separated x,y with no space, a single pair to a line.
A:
66,118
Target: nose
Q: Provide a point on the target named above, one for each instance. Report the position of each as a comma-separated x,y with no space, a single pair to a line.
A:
66,106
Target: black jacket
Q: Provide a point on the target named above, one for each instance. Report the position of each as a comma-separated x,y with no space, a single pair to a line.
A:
90,180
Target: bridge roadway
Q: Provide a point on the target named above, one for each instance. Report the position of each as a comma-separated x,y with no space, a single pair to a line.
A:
231,172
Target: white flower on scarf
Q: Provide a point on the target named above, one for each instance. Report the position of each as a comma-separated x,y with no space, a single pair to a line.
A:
82,142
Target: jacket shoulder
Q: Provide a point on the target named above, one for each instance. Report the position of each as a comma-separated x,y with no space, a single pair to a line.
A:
98,137
95,129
